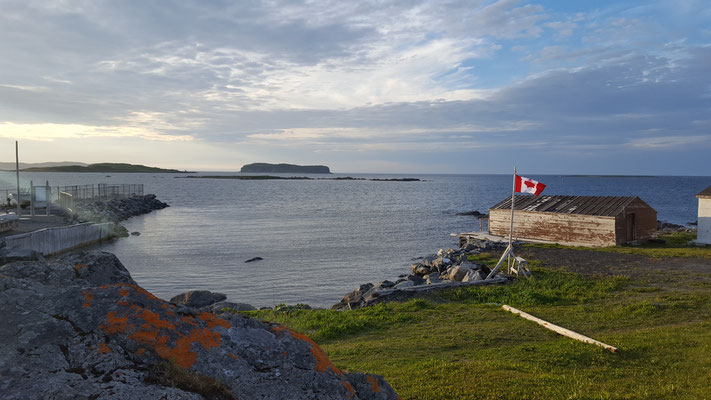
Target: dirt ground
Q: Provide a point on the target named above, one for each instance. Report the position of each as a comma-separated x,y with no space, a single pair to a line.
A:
609,263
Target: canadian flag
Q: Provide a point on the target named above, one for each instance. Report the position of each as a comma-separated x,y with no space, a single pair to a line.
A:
526,185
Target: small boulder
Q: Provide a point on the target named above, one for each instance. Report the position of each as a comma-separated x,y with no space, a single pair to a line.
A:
135,233
458,272
419,269
433,278
197,298
386,284
404,284
416,279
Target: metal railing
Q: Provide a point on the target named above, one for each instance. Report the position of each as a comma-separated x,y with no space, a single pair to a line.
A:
100,191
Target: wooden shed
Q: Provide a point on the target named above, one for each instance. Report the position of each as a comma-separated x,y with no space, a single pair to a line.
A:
576,220
703,229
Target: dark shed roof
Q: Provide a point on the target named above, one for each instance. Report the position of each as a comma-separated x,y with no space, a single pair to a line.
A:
705,193
607,206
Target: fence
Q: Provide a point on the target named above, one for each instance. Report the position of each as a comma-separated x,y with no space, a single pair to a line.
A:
50,241
102,190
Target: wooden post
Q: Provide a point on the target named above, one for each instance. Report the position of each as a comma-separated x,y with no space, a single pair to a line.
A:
48,197
558,329
32,199
17,169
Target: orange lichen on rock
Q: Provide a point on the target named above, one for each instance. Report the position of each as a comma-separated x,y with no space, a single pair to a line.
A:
163,333
88,297
78,267
322,361
373,383
154,319
213,321
134,287
232,355
103,348
114,323
349,388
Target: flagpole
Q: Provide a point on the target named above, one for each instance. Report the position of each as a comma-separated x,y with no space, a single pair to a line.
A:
513,199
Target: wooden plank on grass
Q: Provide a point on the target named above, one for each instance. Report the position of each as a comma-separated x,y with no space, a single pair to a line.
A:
559,329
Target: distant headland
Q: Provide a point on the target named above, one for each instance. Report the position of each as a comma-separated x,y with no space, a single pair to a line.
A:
285,168
103,167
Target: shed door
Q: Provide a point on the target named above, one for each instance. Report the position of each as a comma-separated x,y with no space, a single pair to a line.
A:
629,223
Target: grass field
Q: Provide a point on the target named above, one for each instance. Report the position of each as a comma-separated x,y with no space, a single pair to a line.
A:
461,345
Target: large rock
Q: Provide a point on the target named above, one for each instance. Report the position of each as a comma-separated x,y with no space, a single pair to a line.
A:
78,327
197,298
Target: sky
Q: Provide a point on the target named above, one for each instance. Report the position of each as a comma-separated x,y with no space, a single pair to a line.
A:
431,86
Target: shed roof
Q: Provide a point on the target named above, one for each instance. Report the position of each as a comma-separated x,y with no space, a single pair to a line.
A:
705,193
607,206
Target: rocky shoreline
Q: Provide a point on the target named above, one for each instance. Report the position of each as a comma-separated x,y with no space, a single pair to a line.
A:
444,270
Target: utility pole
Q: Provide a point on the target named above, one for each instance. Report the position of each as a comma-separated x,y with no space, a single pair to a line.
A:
17,169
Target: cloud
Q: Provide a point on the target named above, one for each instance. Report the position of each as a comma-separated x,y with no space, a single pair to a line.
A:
383,79
51,132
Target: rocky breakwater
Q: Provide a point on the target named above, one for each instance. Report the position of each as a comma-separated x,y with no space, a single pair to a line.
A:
445,270
79,327
116,210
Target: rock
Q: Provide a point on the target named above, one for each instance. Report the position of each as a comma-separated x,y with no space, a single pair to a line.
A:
135,233
197,298
79,327
473,214
470,265
433,278
473,275
355,298
441,264
416,279
384,284
11,255
220,305
458,272
404,284
429,260
254,259
419,269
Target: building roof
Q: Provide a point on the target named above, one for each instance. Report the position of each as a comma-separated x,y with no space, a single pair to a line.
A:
607,206
705,193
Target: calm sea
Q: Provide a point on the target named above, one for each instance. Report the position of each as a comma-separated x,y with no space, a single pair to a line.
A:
320,239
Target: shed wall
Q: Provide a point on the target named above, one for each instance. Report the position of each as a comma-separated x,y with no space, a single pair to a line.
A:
645,222
703,233
567,229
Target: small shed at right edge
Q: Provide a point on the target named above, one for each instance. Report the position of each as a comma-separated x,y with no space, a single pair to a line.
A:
703,232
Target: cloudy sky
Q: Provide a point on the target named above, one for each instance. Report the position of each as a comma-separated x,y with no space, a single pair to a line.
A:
608,87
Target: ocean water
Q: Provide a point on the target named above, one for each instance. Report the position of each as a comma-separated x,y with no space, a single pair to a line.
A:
321,239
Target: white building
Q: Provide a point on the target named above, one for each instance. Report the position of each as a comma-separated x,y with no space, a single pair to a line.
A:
703,234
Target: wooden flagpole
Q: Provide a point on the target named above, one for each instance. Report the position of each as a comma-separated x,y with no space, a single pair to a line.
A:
17,171
508,253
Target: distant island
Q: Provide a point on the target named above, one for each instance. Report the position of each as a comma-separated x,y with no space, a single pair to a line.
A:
298,178
285,169
104,168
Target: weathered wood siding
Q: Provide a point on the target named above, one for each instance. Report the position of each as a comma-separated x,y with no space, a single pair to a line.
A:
645,222
567,229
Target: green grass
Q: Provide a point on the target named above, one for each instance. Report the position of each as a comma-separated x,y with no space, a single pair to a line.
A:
461,345
677,245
